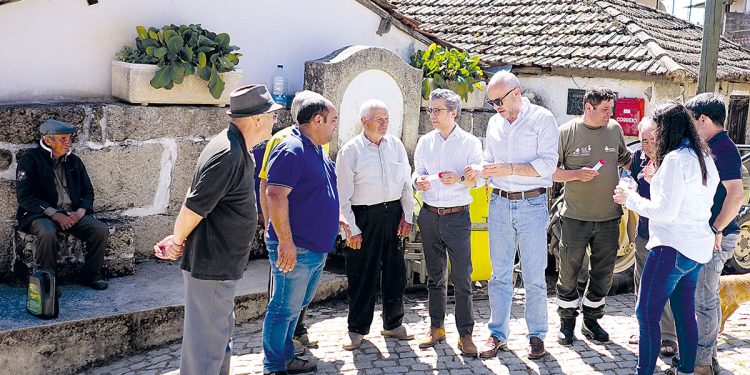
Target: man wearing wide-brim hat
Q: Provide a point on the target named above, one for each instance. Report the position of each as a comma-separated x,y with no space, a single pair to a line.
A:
215,229
55,194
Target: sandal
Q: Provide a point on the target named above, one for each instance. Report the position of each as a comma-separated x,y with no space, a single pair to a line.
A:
668,348
633,340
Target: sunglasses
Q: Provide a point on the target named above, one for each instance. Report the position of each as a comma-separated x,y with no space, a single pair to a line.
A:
499,102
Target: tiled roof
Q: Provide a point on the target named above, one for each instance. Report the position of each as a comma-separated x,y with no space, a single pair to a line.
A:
612,35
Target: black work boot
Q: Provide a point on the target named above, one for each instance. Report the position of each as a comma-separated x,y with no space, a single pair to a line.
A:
593,331
566,337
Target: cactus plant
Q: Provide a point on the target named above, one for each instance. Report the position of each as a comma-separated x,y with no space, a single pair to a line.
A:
180,51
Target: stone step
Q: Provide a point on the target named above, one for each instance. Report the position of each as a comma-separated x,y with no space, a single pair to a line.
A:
137,312
119,259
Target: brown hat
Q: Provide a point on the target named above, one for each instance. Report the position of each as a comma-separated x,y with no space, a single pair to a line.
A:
251,100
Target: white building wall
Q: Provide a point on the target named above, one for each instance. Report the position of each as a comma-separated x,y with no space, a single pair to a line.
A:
553,91
60,49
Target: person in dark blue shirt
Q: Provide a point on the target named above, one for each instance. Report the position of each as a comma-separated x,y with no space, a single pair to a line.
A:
304,220
709,114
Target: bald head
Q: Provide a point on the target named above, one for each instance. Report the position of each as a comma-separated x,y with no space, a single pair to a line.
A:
504,79
504,91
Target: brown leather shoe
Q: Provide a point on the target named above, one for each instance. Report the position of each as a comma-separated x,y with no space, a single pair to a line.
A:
536,348
466,346
434,336
490,348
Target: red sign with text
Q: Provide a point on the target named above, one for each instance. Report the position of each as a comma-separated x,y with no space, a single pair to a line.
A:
629,112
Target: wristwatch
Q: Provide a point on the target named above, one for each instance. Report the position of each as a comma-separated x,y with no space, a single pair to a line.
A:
713,229
462,178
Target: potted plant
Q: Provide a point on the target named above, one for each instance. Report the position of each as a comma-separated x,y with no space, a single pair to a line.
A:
449,68
183,64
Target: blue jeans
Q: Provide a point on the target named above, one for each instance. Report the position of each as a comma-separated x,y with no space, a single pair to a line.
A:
667,275
708,305
518,224
292,291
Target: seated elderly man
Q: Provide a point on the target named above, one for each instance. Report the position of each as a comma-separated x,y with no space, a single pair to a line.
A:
54,194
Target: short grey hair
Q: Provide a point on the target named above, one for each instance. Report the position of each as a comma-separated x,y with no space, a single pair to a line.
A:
297,102
504,77
645,122
452,100
366,108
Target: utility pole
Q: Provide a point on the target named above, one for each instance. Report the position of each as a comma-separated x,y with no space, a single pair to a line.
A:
710,48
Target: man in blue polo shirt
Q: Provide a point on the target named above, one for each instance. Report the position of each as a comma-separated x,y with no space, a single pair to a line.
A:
304,219
709,113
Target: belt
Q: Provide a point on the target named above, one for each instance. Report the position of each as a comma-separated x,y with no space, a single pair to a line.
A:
377,205
521,194
446,210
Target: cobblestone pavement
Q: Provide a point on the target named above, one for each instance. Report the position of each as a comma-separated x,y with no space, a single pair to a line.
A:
327,323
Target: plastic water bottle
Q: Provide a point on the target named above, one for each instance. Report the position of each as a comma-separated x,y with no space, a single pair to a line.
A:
627,181
279,84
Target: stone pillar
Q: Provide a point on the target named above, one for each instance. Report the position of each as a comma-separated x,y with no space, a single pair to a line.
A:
354,74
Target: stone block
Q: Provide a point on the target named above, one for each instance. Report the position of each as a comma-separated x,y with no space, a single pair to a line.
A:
182,172
7,228
6,159
119,259
20,122
8,201
122,121
151,229
475,122
131,82
124,176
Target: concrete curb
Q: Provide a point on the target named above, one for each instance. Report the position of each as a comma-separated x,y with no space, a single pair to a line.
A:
69,347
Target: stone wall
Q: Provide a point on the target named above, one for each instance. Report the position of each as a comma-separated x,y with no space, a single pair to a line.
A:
140,160
737,28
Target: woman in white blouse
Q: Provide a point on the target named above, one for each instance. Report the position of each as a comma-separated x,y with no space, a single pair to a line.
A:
680,239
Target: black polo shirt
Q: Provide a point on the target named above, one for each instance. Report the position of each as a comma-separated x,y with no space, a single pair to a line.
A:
223,193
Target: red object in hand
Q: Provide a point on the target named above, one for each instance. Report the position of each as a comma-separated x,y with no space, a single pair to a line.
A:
599,165
440,174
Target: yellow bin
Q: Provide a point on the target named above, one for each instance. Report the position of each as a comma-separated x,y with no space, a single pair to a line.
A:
480,237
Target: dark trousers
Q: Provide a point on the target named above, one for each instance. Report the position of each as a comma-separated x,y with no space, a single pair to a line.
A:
91,231
448,235
603,239
379,258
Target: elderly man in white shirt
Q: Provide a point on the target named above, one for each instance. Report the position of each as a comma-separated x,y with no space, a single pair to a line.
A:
520,157
376,198
445,226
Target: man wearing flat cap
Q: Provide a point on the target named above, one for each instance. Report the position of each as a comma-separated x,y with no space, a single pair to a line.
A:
215,229
54,194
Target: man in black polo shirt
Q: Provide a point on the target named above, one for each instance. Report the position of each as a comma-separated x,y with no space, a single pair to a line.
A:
709,113
215,228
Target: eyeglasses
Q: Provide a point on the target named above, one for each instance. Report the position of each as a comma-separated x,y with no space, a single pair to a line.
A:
436,111
499,102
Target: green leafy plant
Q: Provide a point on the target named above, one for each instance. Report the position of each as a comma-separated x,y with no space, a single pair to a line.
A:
449,69
180,51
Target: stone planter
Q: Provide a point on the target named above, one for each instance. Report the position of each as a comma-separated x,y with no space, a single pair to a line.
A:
476,99
130,82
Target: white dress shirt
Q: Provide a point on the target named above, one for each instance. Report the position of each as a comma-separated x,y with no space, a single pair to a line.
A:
680,205
369,174
435,154
531,139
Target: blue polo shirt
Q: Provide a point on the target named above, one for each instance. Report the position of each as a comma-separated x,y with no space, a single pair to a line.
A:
302,166
644,188
729,164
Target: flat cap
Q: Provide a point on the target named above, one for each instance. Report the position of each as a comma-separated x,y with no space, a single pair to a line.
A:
53,126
